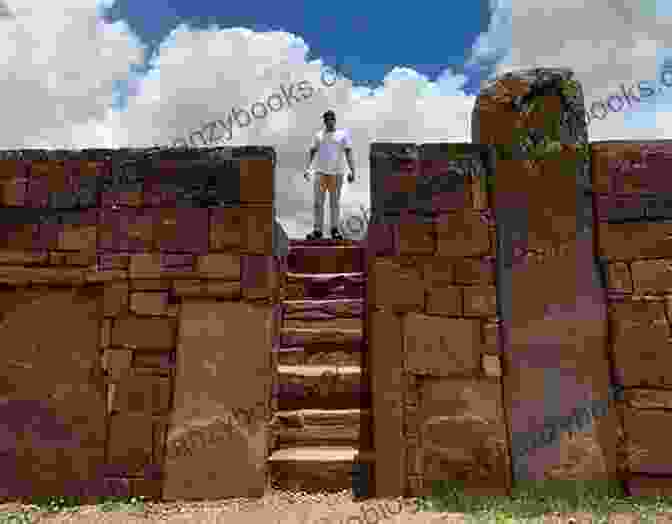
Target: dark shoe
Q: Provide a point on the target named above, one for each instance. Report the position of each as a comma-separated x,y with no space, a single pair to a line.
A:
336,234
315,235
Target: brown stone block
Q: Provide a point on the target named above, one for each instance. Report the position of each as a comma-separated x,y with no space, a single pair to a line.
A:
214,432
491,365
148,488
633,240
152,360
208,288
650,487
642,357
648,442
149,303
438,272
463,432
115,298
19,236
256,180
13,191
160,433
117,362
114,260
652,276
474,271
462,233
13,257
142,393
444,301
223,266
144,333
416,239
257,229
386,354
648,398
619,277
395,285
82,259
77,238
480,301
226,228
490,336
130,444
153,284
105,333
441,346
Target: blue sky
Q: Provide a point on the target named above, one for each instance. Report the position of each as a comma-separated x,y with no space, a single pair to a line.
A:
106,73
369,38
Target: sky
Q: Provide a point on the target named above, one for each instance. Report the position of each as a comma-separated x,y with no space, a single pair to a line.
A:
98,73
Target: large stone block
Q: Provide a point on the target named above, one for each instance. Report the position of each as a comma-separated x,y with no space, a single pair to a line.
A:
647,443
221,401
144,333
463,435
441,346
396,283
387,388
462,233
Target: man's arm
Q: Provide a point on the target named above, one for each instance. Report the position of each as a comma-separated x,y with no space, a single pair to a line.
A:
348,157
311,155
347,146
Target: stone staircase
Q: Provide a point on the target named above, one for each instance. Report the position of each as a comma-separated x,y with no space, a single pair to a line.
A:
323,403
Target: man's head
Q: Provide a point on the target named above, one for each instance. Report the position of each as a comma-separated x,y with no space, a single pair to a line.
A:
329,120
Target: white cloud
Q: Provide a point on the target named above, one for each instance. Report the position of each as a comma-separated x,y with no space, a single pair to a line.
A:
59,63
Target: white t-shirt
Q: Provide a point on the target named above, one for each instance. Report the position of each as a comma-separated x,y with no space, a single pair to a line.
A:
330,157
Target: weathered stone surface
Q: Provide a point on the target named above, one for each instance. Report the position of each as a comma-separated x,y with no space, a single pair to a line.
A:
441,346
319,387
217,425
312,468
144,333
323,287
318,427
326,259
652,276
322,354
632,240
291,337
387,367
52,400
648,398
323,309
396,283
462,433
648,445
640,343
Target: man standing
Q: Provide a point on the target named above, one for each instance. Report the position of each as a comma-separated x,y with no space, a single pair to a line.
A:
330,145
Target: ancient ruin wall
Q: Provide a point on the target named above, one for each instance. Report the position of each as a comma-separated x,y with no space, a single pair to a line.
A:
138,295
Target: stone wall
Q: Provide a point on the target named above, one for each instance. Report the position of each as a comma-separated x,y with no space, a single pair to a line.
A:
431,324
633,200
514,291
125,274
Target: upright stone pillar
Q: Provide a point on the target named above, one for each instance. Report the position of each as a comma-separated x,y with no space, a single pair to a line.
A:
549,293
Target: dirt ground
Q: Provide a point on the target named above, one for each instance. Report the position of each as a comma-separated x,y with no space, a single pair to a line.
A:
274,508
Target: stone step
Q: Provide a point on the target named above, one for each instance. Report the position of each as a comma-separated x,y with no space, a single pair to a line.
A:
324,242
321,387
319,427
312,468
294,336
302,286
323,309
326,259
350,354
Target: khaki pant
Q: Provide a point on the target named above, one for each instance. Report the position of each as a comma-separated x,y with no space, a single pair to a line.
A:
333,184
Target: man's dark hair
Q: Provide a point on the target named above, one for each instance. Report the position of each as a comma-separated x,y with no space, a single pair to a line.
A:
329,113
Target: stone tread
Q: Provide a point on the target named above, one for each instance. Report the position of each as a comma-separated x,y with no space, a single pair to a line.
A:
316,371
315,454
